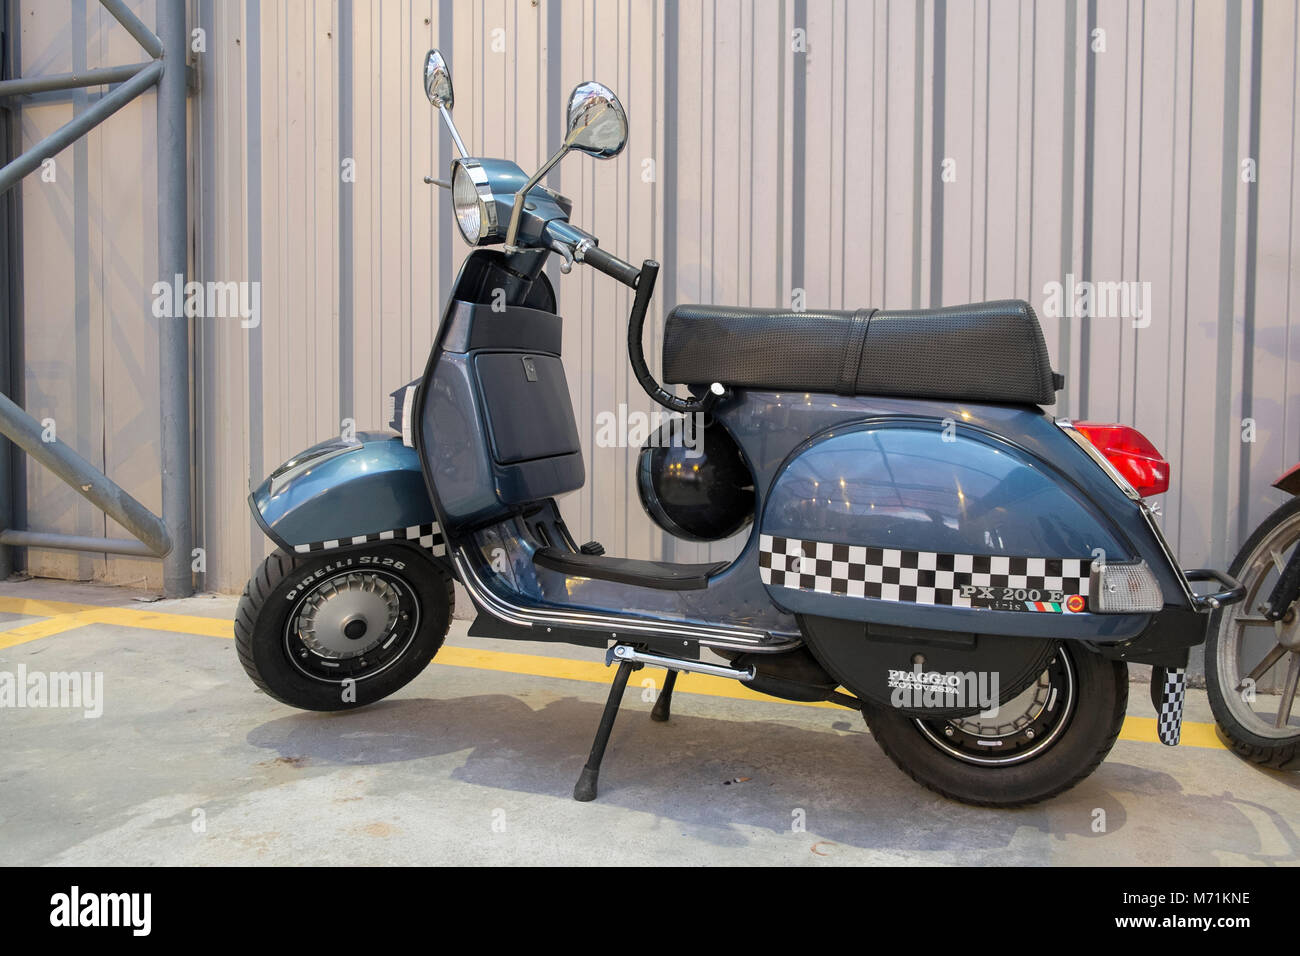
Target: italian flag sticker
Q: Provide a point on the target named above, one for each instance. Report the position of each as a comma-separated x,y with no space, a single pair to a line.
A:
1074,604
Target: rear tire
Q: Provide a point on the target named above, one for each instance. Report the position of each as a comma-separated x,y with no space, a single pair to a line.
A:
1074,716
341,630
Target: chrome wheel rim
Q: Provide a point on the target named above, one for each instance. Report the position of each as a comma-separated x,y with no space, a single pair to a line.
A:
1023,727
351,625
1259,660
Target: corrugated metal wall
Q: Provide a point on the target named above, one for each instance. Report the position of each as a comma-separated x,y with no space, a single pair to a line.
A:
90,240
776,146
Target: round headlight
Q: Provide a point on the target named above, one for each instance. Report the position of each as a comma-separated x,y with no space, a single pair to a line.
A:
471,198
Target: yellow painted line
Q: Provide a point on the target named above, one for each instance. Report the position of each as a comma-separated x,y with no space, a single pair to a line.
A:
31,608
63,616
1141,729
1193,734
160,621
593,672
50,626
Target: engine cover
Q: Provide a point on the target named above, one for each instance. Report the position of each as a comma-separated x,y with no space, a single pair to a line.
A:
926,673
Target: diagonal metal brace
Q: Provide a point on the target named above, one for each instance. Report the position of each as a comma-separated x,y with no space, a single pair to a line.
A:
74,129
87,480
141,77
134,26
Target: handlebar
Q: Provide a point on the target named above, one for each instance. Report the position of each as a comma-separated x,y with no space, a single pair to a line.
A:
570,241
611,265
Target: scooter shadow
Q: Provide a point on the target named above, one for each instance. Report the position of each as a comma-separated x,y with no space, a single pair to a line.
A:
713,778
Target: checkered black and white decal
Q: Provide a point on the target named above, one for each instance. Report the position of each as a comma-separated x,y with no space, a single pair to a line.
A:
926,577
428,535
1169,722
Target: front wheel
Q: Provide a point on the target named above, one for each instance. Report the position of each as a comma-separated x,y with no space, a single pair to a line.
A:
1252,664
332,632
1037,745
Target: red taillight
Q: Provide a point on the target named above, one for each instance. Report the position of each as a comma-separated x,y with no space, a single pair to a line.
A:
1132,455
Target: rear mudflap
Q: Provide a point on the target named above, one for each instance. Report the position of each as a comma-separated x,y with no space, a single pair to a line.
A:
1168,689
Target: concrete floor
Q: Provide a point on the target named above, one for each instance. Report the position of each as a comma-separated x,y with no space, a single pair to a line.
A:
189,764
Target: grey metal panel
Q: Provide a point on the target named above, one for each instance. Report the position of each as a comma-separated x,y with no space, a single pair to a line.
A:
224,390
769,166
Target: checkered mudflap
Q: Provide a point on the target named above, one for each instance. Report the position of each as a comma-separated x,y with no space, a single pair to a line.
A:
991,582
428,535
1169,704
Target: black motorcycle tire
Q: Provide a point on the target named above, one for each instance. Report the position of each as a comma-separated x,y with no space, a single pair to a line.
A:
1279,753
1090,730
268,641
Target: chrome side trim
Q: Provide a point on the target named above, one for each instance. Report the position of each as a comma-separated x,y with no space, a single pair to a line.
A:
1168,552
720,636
1067,426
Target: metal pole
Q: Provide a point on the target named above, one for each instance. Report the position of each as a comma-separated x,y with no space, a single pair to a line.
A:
11,265
75,542
174,333
67,134
67,81
88,480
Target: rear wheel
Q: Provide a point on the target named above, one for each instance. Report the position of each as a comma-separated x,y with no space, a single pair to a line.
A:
1039,744
331,632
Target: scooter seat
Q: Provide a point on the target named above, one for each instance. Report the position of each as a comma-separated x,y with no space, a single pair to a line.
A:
989,351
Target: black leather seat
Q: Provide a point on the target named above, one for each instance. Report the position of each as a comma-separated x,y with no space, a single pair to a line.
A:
989,351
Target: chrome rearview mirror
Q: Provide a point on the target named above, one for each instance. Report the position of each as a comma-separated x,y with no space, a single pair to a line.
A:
437,81
596,121
595,124
437,87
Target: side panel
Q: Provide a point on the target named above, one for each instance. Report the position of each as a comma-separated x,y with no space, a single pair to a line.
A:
931,524
337,491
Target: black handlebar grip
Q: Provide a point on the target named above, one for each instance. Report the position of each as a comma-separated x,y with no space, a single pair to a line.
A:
611,265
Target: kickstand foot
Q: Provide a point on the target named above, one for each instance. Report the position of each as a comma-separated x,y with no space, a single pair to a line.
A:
585,789
663,705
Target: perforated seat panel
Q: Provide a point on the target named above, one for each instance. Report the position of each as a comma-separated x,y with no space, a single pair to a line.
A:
989,351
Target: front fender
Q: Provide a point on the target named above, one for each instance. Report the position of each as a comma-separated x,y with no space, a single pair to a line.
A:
1290,482
339,493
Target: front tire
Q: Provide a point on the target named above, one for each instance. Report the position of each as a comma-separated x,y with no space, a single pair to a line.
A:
1251,664
342,630
1042,743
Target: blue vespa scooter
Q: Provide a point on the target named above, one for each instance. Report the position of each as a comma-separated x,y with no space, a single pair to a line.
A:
924,543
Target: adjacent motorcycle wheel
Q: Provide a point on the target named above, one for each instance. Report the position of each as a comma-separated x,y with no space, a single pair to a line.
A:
1040,743
338,631
1252,665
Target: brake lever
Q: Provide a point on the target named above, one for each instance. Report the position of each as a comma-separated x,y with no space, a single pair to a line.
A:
565,253
429,180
